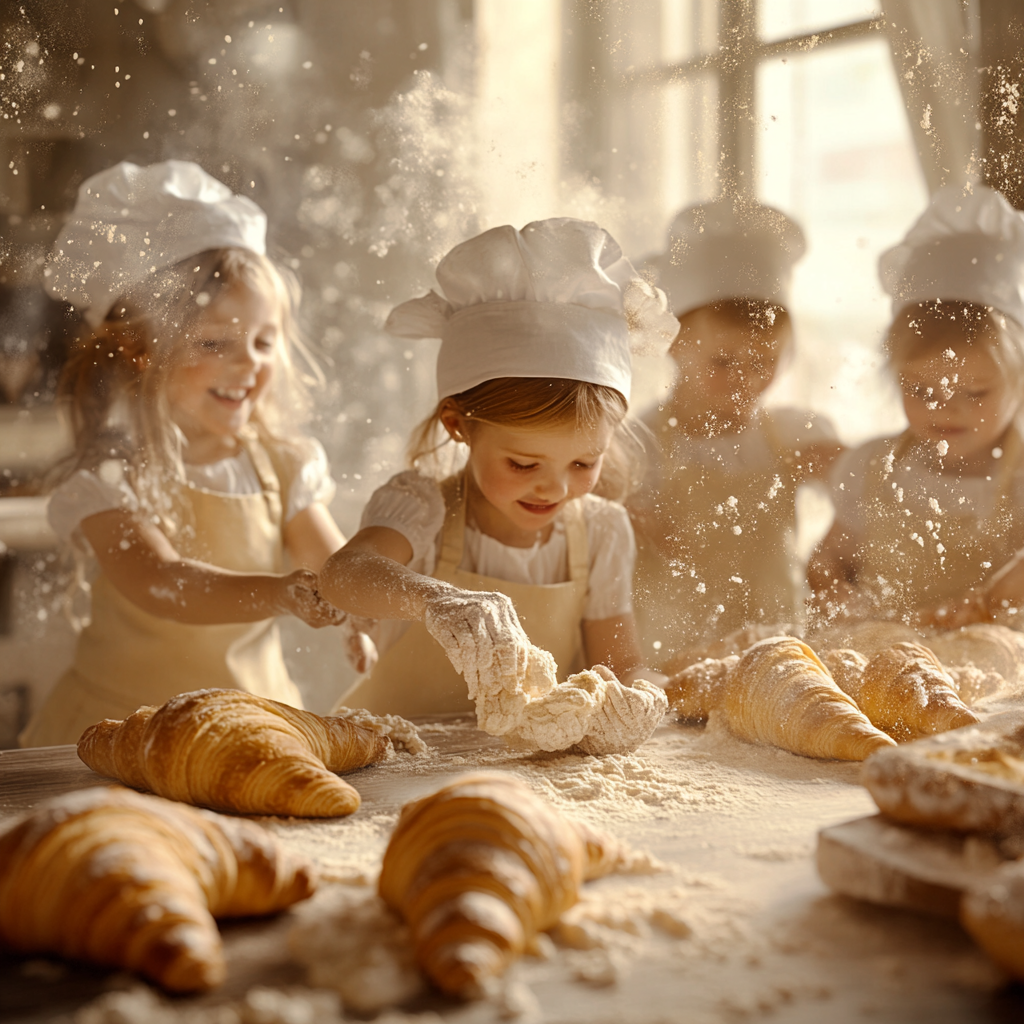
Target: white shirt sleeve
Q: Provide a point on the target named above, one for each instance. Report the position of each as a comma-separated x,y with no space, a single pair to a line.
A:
612,554
312,483
86,493
411,504
848,482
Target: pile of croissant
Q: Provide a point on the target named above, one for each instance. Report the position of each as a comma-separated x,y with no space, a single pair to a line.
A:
879,688
124,879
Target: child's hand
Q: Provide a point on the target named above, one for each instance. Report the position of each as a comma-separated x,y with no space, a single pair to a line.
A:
360,649
480,633
299,597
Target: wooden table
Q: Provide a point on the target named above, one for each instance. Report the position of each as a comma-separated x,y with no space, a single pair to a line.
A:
735,827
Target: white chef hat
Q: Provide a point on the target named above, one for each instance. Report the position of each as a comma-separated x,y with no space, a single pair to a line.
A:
964,247
732,248
557,299
130,222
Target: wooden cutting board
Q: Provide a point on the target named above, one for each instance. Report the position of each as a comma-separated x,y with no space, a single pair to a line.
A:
896,865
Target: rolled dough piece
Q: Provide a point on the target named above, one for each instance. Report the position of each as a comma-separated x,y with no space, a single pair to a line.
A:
970,779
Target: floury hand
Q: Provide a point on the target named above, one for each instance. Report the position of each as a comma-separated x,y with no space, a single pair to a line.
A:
481,634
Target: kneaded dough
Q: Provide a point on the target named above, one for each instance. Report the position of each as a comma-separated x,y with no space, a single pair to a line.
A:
524,702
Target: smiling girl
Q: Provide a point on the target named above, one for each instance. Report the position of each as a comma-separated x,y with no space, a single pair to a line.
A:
533,379
186,486
928,524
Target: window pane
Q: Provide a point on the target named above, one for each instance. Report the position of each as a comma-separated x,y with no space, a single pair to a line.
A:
780,18
688,29
690,140
836,153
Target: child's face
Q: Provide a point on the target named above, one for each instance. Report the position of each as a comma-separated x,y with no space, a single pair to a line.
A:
228,363
528,475
725,366
959,396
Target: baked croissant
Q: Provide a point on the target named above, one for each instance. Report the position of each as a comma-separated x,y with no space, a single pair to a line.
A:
478,868
233,751
987,646
125,880
905,692
846,667
697,690
780,693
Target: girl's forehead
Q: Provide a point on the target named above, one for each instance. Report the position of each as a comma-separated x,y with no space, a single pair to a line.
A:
970,362
240,303
551,440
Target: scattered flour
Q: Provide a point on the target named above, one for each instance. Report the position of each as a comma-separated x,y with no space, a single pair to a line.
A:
141,1005
403,734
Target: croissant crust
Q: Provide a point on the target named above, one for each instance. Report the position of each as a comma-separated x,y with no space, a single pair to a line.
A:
125,880
233,751
478,868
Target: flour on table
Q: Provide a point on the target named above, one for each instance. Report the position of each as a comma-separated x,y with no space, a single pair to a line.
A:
351,942
142,1005
520,698
402,733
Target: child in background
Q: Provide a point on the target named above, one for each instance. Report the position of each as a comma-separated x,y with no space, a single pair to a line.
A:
928,524
187,484
716,519
533,378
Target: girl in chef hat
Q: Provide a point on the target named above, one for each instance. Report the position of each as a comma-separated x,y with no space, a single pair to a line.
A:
929,524
716,518
533,378
186,483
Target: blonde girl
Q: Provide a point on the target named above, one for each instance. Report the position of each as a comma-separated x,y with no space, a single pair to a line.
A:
533,380
716,519
185,486
929,527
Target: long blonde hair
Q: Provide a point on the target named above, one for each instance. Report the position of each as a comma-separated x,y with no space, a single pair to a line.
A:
115,380
536,403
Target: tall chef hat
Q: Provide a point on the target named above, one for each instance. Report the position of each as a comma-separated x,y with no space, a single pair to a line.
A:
130,222
556,299
964,247
732,248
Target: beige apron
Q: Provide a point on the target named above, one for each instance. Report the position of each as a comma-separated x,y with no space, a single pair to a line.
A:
415,677
727,558
126,657
920,562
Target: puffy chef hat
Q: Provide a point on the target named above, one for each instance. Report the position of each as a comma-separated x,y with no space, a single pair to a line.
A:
130,222
556,299
733,248
964,247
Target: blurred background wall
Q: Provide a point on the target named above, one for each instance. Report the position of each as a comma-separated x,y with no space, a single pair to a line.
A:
377,133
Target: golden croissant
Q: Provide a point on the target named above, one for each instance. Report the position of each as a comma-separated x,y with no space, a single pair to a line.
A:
125,880
478,868
697,690
780,693
987,646
233,751
905,692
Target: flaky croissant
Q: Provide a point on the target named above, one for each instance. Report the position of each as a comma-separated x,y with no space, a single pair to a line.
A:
780,693
233,751
478,868
905,692
987,646
125,880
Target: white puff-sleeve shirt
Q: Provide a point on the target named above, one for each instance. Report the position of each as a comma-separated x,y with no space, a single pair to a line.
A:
411,504
86,493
